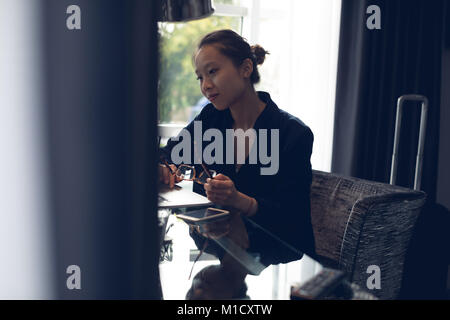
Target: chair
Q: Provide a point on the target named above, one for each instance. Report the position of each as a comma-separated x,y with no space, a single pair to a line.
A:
359,223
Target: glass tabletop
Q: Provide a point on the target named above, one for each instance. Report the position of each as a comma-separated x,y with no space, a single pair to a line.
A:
179,252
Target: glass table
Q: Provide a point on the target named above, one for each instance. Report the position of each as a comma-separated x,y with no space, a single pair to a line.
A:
272,283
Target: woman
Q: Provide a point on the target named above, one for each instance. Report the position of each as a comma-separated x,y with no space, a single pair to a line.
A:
271,213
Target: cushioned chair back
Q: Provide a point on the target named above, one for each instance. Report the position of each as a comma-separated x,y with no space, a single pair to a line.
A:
359,223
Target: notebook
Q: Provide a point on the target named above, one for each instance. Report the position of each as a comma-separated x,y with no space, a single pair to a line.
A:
181,196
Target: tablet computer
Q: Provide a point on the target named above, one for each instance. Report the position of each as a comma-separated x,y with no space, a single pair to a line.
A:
203,215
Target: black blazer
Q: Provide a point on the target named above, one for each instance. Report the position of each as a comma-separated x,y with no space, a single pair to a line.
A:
283,198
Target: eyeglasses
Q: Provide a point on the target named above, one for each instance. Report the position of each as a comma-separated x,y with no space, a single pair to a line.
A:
188,173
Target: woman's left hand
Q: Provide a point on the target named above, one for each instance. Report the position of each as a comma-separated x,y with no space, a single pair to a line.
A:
221,190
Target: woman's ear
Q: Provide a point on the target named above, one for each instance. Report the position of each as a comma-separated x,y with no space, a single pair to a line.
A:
246,68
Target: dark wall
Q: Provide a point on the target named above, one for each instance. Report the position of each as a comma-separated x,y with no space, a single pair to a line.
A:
101,110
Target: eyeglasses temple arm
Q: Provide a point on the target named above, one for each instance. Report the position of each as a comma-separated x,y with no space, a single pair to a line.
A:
206,170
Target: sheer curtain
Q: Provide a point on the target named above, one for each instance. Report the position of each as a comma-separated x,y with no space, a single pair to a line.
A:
302,37
300,73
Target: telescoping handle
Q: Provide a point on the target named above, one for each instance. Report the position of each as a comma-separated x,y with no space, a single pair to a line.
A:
422,130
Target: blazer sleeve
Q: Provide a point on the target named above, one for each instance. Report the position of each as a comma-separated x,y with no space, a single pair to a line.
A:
284,213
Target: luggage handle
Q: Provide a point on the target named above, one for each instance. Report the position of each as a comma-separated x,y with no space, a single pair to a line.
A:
422,131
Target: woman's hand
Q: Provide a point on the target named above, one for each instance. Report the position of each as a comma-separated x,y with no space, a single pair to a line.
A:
166,177
221,190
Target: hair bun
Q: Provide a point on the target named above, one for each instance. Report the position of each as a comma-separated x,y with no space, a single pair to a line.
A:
259,53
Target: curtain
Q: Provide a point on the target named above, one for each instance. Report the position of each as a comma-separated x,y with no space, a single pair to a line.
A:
100,98
375,67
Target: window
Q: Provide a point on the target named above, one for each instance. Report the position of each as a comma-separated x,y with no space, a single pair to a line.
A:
300,73
179,98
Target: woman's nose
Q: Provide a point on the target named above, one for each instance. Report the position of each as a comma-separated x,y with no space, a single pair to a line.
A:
207,84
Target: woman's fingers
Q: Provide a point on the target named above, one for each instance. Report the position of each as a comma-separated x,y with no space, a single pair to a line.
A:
221,176
165,176
172,175
214,196
210,186
168,177
160,173
172,179
219,196
219,184
177,178
174,169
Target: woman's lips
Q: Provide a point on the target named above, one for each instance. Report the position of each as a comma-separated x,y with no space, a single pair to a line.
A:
213,97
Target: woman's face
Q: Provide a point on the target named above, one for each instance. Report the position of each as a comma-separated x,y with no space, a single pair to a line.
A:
220,81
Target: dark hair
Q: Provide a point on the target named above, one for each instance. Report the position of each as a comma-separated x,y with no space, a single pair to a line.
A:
235,47
200,281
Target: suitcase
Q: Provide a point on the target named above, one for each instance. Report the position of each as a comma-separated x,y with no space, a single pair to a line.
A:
422,132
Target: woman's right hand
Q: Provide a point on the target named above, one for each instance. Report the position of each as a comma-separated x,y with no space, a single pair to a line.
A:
166,177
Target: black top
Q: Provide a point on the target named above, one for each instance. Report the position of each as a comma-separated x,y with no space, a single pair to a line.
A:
283,198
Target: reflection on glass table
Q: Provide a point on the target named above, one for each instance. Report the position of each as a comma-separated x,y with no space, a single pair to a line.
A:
272,283
267,283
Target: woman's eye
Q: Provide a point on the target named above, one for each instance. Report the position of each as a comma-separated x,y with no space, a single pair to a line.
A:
212,71
199,78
